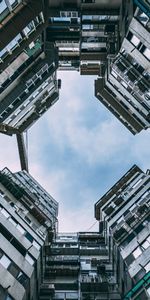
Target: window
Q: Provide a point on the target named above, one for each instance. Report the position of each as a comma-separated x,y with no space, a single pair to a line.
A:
20,228
3,6
14,42
22,278
148,291
14,270
136,253
1,253
36,245
135,184
114,74
142,17
7,198
8,298
27,219
145,195
29,236
2,193
17,245
5,213
124,84
88,1
29,259
29,28
147,267
148,239
5,261
146,52
145,245
133,39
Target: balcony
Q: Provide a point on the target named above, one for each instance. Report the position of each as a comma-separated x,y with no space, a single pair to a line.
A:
66,295
61,271
46,291
145,281
85,250
94,287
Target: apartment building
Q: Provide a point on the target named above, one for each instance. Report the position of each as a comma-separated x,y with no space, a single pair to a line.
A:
37,262
28,82
106,39
125,87
78,267
124,217
28,222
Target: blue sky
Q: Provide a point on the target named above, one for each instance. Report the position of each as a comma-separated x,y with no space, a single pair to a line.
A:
77,151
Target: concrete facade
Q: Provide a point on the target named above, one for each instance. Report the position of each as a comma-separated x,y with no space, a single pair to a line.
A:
124,214
37,262
109,40
125,88
28,219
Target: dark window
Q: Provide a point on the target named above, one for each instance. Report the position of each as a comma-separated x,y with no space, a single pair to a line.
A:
119,233
8,109
37,80
14,270
118,201
12,240
16,101
142,209
5,233
121,66
19,247
88,1
129,36
1,89
130,220
8,297
7,198
139,228
29,236
130,259
44,74
22,278
27,219
3,114
140,69
139,275
142,49
1,253
23,95
142,87
131,76
109,210
2,293
30,87
109,28
6,83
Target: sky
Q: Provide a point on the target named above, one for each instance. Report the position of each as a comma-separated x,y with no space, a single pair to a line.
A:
77,150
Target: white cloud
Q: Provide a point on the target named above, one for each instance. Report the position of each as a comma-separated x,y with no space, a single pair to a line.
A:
69,127
79,220
140,149
52,181
105,142
96,143
9,153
